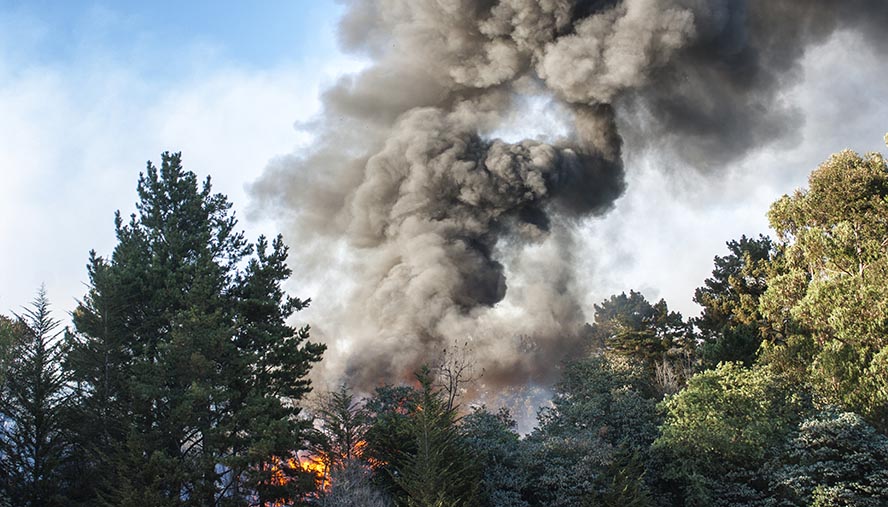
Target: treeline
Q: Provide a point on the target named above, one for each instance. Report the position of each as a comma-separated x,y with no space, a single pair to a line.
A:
180,382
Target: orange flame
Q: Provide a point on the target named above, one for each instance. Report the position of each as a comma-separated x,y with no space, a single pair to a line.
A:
311,464
316,467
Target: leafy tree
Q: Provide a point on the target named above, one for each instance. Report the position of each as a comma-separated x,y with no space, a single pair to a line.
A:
603,417
730,324
184,359
833,294
34,448
721,429
501,455
834,459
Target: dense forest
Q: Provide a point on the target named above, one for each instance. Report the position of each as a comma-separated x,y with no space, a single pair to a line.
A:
180,380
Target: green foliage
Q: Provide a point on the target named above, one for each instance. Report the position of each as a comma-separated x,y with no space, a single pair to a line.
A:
441,472
9,330
834,459
834,291
730,324
343,423
632,327
722,428
627,487
648,335
388,437
185,357
501,455
603,415
267,378
34,448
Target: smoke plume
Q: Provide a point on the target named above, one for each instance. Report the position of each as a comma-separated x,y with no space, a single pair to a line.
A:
448,234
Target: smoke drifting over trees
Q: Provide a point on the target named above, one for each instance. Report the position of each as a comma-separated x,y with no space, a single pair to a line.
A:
448,232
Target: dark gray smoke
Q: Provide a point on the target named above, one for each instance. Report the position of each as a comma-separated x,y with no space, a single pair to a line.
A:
449,234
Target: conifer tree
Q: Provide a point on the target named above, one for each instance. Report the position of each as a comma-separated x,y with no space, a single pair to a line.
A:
630,326
33,444
731,326
441,472
188,375
343,423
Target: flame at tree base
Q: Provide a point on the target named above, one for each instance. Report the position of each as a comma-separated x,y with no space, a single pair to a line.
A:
284,472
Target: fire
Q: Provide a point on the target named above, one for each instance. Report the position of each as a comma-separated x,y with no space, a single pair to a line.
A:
281,472
311,464
317,465
314,465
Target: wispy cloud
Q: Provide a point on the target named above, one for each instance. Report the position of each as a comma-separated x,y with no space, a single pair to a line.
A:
76,131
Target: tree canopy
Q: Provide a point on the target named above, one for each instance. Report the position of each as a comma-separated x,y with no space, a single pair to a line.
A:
833,293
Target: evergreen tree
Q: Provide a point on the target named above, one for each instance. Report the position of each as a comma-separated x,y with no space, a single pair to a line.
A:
188,374
731,325
388,436
631,326
649,335
834,459
34,448
498,449
267,380
343,423
442,471
9,329
588,444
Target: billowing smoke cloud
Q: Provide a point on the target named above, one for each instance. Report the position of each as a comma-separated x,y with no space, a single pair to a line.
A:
451,234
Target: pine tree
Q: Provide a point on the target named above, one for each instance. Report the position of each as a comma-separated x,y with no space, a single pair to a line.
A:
441,472
731,326
188,374
33,444
630,326
266,382
343,423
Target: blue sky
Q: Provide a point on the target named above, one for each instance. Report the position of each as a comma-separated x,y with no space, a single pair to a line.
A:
255,34
89,91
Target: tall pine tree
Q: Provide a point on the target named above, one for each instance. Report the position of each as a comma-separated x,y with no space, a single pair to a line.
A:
188,375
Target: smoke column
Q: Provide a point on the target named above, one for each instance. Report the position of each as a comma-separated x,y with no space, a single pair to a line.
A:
448,234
